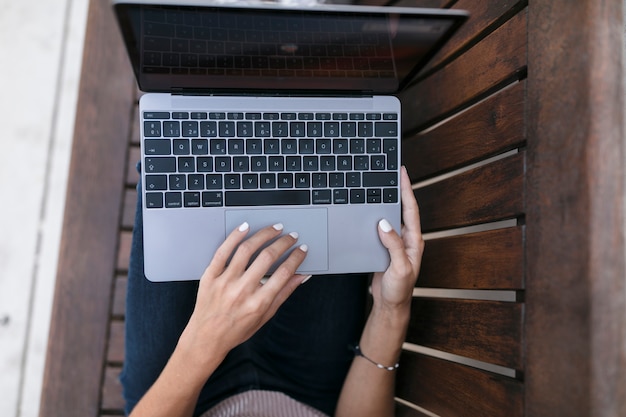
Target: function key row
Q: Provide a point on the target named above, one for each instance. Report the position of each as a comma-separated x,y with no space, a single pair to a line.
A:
266,129
183,115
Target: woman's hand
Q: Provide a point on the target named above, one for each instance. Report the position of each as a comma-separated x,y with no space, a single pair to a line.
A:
369,390
393,288
232,304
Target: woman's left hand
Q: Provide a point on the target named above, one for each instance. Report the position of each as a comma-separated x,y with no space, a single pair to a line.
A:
393,289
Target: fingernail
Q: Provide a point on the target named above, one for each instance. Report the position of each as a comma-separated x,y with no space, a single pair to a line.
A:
385,226
294,235
304,248
308,277
244,226
278,226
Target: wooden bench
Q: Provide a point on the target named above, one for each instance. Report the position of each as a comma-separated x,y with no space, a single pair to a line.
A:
513,136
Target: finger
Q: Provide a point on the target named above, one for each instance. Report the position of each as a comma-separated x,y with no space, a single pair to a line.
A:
394,244
412,232
226,249
269,256
284,281
250,246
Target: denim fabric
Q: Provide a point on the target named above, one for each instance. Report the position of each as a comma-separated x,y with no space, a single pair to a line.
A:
302,351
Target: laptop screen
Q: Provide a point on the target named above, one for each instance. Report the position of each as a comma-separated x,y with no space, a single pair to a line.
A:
230,48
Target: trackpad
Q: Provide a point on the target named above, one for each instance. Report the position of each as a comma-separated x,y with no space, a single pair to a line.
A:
310,224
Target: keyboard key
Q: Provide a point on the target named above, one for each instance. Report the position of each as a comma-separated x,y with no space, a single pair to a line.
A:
190,129
178,182
171,129
232,181
154,200
218,146
322,197
374,195
152,129
173,200
303,180
254,146
390,148
285,180
340,196
289,146
357,196
353,179
386,129
390,195
160,164
156,182
205,164
340,146
186,164
208,129
250,181
156,115
213,181
181,147
267,198
212,199
380,179
196,181
157,146
199,146
192,199
267,181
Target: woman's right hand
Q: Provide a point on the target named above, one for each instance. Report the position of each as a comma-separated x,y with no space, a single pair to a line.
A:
232,304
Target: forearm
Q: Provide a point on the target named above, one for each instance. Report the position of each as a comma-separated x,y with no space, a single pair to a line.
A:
175,392
369,390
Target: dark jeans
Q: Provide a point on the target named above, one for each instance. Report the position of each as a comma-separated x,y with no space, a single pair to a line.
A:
302,351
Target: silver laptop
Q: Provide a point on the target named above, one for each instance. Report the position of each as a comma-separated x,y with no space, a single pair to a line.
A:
269,113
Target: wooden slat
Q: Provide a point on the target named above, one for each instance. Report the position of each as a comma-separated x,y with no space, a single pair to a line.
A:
453,390
87,259
406,411
123,254
488,331
134,154
493,126
115,351
486,260
576,291
130,205
118,309
472,74
483,14
488,193
112,401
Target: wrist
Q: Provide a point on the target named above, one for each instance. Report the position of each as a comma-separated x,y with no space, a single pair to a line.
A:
392,317
201,355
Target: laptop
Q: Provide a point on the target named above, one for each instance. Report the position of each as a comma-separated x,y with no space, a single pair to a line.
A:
270,113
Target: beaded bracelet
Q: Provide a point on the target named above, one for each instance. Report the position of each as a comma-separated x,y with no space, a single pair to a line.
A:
357,352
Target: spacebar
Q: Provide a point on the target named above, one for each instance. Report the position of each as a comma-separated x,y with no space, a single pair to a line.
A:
267,198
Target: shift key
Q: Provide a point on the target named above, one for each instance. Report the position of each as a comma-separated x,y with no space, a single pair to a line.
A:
165,164
380,179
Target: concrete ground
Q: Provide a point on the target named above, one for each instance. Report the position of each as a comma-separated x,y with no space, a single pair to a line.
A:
41,44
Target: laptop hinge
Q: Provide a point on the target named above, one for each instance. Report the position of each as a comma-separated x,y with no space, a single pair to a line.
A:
324,93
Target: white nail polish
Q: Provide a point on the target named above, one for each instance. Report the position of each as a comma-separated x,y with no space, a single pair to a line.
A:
294,235
244,226
308,277
278,226
304,248
385,226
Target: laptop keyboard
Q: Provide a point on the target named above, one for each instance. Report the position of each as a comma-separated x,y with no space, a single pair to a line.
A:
217,159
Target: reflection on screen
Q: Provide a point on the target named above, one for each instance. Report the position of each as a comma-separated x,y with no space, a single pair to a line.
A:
221,48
